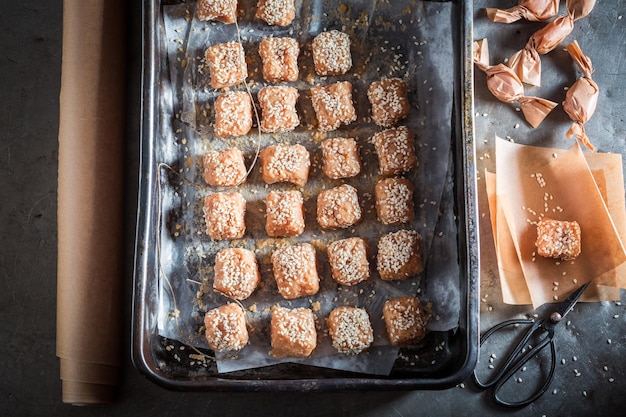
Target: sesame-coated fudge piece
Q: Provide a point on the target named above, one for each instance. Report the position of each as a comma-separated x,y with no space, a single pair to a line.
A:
293,333
280,59
236,273
399,255
221,10
224,215
278,109
333,105
350,329
224,168
233,114
389,101
394,200
396,150
226,328
405,320
558,239
340,158
338,208
227,64
348,261
284,213
285,163
295,271
331,53
276,12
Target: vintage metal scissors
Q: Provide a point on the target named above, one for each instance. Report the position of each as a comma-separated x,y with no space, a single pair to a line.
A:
541,330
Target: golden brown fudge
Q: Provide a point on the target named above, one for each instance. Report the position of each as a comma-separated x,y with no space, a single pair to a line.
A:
348,261
295,271
285,163
278,109
396,150
233,114
276,12
399,255
280,59
220,10
389,101
224,168
350,329
405,320
293,333
340,158
558,239
224,215
394,200
227,64
226,328
284,213
331,53
333,105
338,208
236,273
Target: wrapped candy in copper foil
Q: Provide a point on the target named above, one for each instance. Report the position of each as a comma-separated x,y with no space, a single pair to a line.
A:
526,63
533,10
506,86
582,97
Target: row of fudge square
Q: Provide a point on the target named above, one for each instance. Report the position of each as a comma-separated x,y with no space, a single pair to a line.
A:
332,104
273,12
394,147
337,208
293,332
279,56
294,267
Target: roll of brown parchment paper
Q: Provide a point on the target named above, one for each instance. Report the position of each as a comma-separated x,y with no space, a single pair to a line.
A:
90,206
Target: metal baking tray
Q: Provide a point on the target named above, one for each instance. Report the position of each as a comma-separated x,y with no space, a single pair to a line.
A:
443,359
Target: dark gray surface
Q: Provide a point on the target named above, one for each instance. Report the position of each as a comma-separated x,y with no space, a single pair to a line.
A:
30,64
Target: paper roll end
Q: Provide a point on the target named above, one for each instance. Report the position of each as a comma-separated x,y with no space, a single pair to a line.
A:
86,394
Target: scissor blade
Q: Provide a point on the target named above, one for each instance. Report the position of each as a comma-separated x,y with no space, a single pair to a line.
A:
569,303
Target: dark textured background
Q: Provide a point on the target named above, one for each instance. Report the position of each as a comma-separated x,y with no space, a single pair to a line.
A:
30,64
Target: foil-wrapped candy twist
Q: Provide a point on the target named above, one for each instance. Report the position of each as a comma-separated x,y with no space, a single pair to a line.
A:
526,62
506,86
582,97
533,10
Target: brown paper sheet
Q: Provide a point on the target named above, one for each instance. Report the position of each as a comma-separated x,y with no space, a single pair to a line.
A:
598,179
90,207
526,63
506,86
533,10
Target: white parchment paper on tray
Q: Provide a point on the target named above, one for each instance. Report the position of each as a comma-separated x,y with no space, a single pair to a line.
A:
412,41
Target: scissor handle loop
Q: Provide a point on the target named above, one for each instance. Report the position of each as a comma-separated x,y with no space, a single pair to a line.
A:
522,360
514,353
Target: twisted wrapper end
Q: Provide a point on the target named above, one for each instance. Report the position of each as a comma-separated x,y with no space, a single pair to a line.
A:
578,129
536,109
